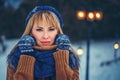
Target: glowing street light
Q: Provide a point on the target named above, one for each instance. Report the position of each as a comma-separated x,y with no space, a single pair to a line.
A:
98,15
80,51
90,16
81,14
116,46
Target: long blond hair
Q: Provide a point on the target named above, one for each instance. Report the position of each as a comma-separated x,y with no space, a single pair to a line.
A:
45,16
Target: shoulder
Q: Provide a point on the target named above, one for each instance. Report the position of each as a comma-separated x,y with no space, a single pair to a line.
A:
74,62
13,57
14,52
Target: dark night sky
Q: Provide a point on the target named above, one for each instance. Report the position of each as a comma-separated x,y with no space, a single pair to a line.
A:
108,27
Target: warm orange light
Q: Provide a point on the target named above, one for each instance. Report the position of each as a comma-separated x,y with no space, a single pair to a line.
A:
81,14
90,16
98,15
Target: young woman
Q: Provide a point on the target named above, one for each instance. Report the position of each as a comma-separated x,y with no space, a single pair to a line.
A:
43,52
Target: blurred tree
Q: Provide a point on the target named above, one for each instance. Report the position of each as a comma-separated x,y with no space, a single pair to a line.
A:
12,21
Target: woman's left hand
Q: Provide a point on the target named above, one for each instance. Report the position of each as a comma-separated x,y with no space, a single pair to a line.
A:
62,41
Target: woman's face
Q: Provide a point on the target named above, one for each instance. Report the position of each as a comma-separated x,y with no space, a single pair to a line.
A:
44,33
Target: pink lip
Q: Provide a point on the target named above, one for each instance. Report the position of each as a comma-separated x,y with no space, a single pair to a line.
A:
45,42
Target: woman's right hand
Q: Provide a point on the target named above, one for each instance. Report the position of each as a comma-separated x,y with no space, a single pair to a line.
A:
26,44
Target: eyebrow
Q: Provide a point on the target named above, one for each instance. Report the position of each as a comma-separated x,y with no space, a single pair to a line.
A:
48,27
39,27
52,27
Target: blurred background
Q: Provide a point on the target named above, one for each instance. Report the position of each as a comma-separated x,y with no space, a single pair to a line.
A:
96,38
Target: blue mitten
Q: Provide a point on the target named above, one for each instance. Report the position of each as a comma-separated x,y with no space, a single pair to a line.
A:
62,41
26,44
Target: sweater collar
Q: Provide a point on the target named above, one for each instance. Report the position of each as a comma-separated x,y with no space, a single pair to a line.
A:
45,47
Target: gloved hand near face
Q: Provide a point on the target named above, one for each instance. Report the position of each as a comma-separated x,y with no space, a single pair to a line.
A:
62,41
26,44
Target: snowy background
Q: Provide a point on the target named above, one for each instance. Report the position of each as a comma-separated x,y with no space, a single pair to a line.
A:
100,52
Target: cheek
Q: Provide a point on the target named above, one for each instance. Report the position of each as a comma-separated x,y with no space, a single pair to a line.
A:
36,35
37,38
53,36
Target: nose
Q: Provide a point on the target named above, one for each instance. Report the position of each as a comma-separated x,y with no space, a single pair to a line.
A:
45,35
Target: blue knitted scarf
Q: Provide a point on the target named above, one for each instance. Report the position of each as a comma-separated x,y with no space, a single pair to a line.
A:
44,65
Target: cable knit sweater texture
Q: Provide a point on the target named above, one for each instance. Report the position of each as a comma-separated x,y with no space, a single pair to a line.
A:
25,67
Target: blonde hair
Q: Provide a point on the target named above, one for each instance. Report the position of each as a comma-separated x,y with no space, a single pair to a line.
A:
45,16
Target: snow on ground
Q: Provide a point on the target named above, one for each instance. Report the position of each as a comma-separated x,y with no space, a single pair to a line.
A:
100,52
3,57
